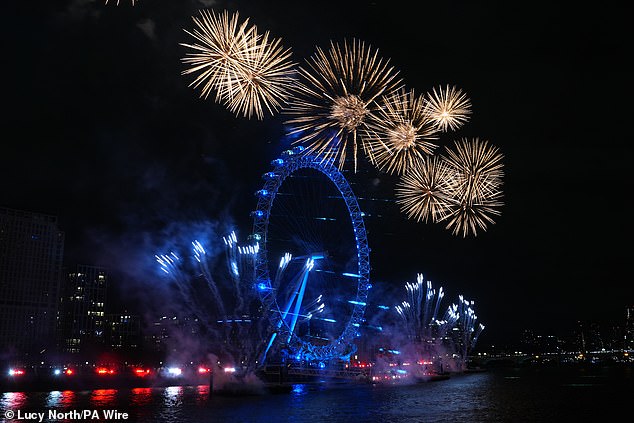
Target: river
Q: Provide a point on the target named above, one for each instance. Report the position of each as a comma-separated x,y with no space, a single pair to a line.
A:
594,394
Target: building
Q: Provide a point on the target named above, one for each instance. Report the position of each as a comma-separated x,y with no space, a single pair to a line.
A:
167,333
629,329
31,257
82,321
123,331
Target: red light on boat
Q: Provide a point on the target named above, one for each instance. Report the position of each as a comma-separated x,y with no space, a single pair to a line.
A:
104,371
16,372
141,372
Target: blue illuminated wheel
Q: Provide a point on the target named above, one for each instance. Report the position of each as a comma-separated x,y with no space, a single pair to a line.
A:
313,267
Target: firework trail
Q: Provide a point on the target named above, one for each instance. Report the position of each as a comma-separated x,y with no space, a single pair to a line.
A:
476,335
420,313
464,339
449,320
335,96
172,265
241,265
449,338
243,330
236,335
249,72
449,107
284,261
402,132
200,256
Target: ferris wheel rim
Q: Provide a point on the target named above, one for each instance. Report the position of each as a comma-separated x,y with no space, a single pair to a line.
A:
291,161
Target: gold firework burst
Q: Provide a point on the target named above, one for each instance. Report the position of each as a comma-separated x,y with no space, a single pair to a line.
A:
476,171
402,132
424,191
222,46
263,82
337,92
450,108
248,72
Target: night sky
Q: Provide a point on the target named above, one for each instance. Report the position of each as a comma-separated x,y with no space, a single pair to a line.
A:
102,130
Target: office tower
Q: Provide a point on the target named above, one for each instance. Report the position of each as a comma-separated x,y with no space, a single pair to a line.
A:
629,328
123,331
83,320
31,255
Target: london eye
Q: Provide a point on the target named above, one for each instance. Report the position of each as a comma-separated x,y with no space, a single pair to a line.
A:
313,270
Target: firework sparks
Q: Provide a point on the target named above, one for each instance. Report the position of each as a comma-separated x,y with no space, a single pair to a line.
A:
424,191
452,335
461,187
466,336
249,72
264,82
402,132
477,170
336,94
449,107
223,306
223,44
419,313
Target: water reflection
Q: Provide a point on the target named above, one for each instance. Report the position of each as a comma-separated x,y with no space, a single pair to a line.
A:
141,396
13,400
202,394
53,399
495,396
172,404
103,398
68,399
173,396
299,390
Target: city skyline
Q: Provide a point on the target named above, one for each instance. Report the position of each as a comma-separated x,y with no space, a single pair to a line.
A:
91,324
113,141
93,320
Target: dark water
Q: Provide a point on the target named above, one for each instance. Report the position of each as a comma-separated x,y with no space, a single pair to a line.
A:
502,395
